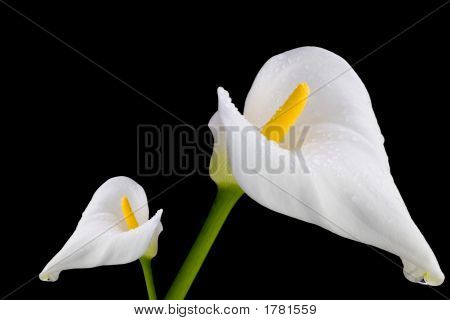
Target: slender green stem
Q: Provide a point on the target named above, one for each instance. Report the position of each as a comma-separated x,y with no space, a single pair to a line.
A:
147,268
225,199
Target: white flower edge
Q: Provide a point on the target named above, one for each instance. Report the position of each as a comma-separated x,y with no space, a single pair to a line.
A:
354,194
102,236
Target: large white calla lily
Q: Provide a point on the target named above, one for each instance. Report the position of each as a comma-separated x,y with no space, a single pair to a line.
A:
109,232
349,189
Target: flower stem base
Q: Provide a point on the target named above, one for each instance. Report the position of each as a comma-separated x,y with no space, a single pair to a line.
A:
147,269
226,198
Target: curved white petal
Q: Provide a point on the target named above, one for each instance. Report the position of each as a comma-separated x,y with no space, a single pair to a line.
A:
263,169
219,168
348,191
152,249
101,238
337,95
110,193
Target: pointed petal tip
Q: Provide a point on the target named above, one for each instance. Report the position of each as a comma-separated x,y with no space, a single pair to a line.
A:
226,105
48,276
433,280
419,275
223,95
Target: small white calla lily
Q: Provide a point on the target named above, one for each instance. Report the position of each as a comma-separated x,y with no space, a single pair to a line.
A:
349,189
104,236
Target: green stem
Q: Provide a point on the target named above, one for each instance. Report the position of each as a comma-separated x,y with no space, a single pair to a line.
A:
225,199
147,268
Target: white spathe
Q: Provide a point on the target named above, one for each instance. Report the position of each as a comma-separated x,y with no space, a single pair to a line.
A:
349,189
102,236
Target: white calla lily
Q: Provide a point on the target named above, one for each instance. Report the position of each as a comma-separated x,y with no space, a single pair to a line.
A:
104,236
349,189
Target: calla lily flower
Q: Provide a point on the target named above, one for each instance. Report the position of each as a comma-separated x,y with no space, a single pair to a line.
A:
109,232
349,189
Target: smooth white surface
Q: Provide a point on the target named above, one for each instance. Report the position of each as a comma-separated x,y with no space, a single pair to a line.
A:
349,189
102,236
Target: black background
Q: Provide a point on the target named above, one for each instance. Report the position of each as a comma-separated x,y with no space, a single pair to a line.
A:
67,126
